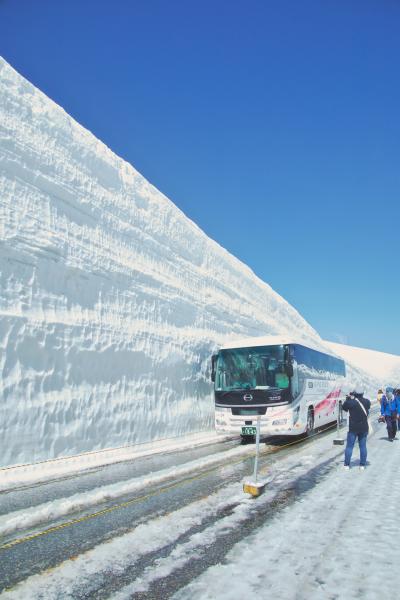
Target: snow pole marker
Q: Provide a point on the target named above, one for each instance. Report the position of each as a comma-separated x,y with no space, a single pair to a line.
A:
338,441
254,487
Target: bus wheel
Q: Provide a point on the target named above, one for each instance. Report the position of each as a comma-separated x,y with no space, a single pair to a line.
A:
310,422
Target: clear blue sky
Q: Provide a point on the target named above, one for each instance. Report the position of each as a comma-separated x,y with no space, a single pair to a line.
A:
273,125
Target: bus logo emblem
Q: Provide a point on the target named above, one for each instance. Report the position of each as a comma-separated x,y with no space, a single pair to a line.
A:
247,397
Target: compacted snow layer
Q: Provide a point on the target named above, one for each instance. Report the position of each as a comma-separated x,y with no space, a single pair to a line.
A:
112,301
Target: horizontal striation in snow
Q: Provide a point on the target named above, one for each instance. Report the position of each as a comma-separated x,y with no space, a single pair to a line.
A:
112,300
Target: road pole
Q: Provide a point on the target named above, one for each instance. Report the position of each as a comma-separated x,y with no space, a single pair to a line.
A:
257,449
253,487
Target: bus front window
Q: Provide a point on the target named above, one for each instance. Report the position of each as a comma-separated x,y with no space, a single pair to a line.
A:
251,368
282,380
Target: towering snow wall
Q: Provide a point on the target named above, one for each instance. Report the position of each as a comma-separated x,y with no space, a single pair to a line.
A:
111,300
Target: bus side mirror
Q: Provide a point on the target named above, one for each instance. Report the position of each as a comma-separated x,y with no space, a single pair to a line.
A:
213,363
289,369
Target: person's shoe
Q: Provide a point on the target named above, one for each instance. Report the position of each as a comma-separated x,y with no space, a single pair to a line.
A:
346,467
362,468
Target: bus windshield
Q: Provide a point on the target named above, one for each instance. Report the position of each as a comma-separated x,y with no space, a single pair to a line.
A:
261,367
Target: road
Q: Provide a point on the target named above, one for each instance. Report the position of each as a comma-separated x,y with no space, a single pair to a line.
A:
142,528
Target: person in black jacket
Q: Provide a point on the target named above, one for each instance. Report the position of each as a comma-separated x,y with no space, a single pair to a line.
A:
358,408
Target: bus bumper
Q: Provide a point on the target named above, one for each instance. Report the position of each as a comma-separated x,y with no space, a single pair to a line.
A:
270,424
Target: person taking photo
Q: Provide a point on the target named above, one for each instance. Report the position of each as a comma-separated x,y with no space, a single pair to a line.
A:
358,408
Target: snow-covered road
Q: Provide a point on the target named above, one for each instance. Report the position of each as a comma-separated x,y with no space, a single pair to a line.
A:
336,542
163,530
51,501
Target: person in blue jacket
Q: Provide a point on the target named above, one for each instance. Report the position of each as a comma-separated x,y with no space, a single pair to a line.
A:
396,394
390,410
358,408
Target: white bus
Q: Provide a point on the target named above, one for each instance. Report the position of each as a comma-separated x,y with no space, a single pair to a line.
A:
294,388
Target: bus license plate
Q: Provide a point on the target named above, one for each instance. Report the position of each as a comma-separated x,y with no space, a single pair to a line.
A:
249,430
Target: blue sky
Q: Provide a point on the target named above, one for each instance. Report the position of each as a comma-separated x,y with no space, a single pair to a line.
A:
273,125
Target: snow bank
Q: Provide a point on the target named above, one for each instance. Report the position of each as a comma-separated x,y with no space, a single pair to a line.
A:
112,301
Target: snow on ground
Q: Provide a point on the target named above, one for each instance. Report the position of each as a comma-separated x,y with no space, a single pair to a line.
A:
336,542
123,552
90,569
55,509
331,542
112,300
384,367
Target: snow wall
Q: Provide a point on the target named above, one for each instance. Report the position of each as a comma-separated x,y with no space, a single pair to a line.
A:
112,301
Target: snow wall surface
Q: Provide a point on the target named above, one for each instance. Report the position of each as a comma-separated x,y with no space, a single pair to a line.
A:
112,301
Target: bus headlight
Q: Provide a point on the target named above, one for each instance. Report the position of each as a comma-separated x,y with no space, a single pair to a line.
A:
222,409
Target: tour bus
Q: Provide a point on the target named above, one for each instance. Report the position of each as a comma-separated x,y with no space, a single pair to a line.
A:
293,387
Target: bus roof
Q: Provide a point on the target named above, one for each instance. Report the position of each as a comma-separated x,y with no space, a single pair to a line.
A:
270,340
